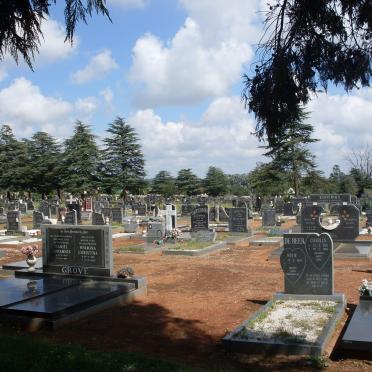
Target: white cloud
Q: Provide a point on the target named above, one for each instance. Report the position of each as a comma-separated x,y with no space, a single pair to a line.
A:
204,59
99,66
108,96
226,142
127,4
86,105
341,122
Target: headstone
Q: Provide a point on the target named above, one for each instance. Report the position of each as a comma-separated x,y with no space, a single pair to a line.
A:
37,219
14,221
1,210
238,220
88,205
141,209
287,209
106,213
98,219
155,231
224,214
330,198
54,209
170,217
268,217
23,208
44,208
200,218
71,218
117,214
75,207
12,207
30,205
307,263
186,209
77,250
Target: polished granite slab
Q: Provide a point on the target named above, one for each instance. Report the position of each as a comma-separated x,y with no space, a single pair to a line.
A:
358,335
15,290
70,299
19,265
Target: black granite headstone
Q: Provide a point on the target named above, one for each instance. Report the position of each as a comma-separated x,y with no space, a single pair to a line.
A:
307,263
77,250
71,218
77,208
238,219
268,217
200,218
37,219
98,219
287,209
117,214
14,221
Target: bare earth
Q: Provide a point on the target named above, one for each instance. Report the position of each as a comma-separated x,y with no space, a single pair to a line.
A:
193,302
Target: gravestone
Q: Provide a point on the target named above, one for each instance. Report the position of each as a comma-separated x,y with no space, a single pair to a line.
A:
14,222
23,208
369,217
287,209
330,198
37,219
98,219
200,218
97,206
12,207
186,209
155,231
1,210
71,218
30,205
238,220
77,208
77,250
268,217
54,209
141,209
307,263
117,214
44,208
170,215
348,229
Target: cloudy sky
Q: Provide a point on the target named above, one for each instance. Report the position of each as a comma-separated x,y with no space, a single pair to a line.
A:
173,69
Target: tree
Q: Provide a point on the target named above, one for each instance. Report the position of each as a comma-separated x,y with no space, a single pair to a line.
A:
187,182
335,178
239,184
20,24
215,182
44,164
290,155
13,158
123,163
80,161
163,184
307,44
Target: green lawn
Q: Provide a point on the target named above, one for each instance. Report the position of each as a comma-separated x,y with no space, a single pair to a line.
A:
23,353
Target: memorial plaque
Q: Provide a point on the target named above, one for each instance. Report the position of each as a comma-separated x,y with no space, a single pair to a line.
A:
330,198
238,219
98,219
71,218
37,219
268,217
117,215
200,218
77,250
307,263
14,221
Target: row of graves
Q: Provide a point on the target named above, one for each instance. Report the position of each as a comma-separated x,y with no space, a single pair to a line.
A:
302,319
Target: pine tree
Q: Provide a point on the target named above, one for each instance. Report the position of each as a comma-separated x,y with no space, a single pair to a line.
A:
163,184
13,158
123,162
80,161
290,154
44,167
215,182
187,182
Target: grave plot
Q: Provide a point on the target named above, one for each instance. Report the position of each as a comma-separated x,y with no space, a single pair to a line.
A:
76,279
303,318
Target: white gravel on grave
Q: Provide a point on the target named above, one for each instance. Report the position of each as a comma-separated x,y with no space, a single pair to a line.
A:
301,319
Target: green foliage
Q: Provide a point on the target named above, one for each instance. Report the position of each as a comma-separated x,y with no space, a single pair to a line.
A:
215,182
123,163
43,173
307,44
239,184
163,184
187,182
80,161
20,24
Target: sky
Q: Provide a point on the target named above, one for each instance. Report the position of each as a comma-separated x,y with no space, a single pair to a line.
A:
173,69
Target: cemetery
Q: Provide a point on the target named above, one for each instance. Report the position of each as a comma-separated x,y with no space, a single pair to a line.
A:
185,185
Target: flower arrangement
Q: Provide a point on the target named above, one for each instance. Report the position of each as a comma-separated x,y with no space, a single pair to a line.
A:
174,234
29,250
365,289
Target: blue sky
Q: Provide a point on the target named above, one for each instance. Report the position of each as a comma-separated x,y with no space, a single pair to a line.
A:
173,69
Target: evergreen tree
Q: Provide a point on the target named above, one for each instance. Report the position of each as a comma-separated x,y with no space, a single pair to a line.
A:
44,164
80,161
215,182
187,182
123,163
163,184
13,159
335,178
239,184
290,155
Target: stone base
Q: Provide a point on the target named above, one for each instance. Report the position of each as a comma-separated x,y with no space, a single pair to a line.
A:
355,250
253,346
36,300
195,252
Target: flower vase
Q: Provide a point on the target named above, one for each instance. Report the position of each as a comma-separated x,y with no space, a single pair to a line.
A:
31,262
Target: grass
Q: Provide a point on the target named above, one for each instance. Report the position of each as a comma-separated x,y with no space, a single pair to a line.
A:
191,245
23,353
132,248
